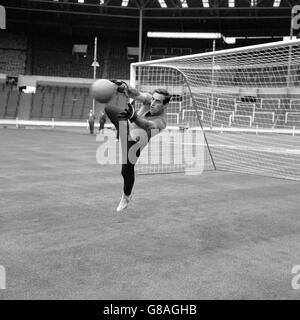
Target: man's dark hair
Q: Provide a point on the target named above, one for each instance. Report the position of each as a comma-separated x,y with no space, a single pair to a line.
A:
165,93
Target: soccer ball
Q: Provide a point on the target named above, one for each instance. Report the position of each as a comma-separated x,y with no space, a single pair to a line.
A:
103,90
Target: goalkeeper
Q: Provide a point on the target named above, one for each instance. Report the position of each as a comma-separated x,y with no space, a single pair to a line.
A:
150,117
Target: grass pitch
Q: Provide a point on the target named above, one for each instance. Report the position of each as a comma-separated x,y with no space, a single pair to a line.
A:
219,235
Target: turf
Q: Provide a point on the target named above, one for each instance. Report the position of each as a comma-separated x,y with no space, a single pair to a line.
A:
219,235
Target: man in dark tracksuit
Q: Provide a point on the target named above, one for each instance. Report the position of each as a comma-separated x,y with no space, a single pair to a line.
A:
150,117
91,120
102,120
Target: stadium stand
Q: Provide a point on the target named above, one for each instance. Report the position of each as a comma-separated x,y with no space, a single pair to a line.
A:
13,46
12,62
189,116
78,104
174,106
37,103
116,61
59,60
59,93
269,104
67,107
172,118
226,104
48,97
9,101
292,118
3,100
87,104
222,117
263,119
13,40
12,103
60,102
50,54
294,105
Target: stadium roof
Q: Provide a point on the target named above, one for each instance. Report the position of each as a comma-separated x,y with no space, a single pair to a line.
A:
233,17
169,4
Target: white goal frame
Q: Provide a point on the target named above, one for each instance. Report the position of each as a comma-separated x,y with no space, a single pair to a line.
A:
216,81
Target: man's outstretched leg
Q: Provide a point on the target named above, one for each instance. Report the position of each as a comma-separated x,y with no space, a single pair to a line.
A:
112,112
127,167
128,177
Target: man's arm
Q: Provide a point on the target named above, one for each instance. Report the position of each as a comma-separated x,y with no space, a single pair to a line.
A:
130,114
150,124
143,97
133,93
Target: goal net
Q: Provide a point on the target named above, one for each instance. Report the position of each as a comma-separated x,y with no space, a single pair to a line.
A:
239,108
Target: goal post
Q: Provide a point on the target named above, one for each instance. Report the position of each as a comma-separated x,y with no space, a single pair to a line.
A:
241,100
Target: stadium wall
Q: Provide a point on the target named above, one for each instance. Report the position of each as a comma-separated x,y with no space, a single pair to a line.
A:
33,81
3,78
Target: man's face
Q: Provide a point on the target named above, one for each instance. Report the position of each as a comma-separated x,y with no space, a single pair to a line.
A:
157,106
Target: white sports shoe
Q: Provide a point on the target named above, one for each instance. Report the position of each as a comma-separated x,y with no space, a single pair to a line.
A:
123,202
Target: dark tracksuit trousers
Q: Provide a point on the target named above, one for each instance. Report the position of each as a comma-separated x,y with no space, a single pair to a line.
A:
102,121
127,167
91,125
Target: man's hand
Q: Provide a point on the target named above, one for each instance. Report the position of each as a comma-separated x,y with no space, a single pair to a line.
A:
122,86
129,113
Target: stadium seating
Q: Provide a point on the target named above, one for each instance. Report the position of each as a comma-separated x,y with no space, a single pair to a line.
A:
37,103
12,103
3,100
13,40
294,105
292,118
189,116
9,101
70,103
67,107
263,119
174,106
50,54
173,118
59,60
13,46
270,104
12,62
226,104
238,120
58,101
47,110
78,100
222,117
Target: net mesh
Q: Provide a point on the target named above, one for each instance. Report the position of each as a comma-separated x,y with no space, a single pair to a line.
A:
247,101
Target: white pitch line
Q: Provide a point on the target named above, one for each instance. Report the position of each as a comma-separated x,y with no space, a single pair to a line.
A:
247,148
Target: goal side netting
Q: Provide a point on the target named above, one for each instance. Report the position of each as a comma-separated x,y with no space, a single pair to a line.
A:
235,110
